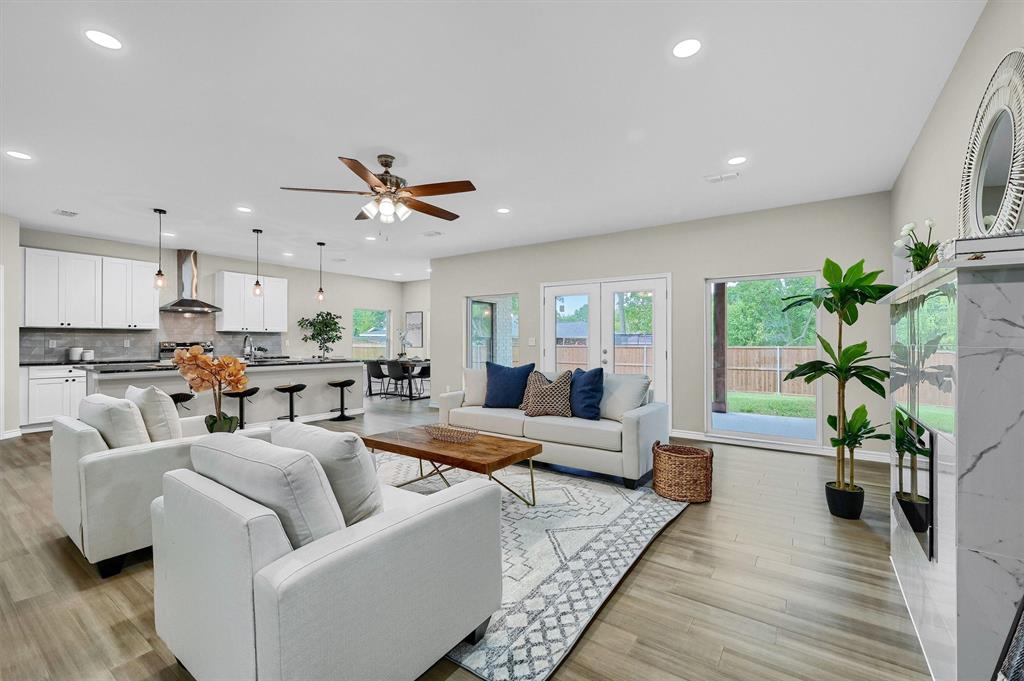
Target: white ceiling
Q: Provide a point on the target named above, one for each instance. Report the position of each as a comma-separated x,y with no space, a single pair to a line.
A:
575,115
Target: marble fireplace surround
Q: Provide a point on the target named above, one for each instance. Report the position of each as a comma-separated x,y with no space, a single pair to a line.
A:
109,343
963,602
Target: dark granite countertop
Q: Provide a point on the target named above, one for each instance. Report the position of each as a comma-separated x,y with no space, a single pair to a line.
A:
67,362
135,367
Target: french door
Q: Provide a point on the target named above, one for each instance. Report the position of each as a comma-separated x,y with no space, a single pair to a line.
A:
618,325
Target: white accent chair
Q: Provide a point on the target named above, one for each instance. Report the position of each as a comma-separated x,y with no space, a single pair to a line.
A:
102,496
384,598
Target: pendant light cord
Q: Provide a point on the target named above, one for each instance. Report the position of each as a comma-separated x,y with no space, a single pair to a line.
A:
160,243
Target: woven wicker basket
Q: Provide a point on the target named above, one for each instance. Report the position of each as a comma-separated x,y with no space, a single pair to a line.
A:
453,434
682,473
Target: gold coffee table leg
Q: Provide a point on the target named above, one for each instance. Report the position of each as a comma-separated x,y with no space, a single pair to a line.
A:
437,471
533,488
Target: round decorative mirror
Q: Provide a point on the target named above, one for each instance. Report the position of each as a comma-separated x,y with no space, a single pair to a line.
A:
992,188
995,170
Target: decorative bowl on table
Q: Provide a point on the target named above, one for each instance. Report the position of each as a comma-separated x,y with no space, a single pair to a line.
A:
454,434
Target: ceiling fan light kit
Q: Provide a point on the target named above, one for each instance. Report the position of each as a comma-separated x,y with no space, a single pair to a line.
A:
392,196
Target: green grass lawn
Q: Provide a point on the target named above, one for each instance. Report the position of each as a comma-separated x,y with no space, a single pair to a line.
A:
772,404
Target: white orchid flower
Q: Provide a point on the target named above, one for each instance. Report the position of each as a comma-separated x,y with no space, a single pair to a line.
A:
898,243
929,223
908,228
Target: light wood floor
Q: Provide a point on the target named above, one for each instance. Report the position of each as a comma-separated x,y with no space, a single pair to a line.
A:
760,583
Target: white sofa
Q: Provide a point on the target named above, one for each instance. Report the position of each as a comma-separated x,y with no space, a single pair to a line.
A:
102,496
620,449
384,598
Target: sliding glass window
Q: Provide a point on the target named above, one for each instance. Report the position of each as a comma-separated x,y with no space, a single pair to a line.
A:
371,334
753,344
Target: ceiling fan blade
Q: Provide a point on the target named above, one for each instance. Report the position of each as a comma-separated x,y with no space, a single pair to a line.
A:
438,188
362,216
429,209
327,191
363,172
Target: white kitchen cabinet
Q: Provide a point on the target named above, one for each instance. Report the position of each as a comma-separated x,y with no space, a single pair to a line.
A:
242,311
130,301
53,391
63,289
275,304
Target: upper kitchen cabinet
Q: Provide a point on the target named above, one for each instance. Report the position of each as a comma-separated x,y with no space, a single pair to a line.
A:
130,301
63,289
242,311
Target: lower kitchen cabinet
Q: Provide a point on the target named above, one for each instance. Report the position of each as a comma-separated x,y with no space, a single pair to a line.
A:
53,391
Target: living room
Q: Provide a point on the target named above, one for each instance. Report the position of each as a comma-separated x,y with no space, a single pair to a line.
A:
675,340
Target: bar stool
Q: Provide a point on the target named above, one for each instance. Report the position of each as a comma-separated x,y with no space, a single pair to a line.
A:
346,383
291,389
181,399
242,396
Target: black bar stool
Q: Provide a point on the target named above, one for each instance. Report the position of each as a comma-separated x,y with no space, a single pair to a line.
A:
242,395
292,389
347,383
181,399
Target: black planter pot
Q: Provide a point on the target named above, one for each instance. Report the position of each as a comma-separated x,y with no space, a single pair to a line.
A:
918,513
844,503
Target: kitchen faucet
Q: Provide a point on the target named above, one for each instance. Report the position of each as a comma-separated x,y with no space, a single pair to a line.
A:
248,351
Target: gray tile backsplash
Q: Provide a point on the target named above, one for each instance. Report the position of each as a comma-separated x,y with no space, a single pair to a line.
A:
110,343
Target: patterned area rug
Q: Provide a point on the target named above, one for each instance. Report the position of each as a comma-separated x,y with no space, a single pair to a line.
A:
561,560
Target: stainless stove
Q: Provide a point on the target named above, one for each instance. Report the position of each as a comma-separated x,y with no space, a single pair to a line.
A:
167,348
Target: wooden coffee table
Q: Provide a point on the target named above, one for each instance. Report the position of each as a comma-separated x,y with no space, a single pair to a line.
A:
485,454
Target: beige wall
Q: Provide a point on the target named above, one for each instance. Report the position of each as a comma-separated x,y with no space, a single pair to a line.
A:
795,238
416,298
343,292
10,259
929,184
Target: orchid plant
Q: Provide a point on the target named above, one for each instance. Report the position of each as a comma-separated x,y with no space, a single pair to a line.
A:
921,253
204,372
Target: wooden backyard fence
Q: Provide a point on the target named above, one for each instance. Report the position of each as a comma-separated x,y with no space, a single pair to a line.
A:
763,369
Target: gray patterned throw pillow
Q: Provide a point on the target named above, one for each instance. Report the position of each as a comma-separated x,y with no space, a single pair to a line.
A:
550,398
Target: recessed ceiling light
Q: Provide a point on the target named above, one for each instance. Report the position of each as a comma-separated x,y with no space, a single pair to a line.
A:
504,211
737,160
429,270
243,209
172,234
103,39
370,238
20,155
686,48
398,274
287,254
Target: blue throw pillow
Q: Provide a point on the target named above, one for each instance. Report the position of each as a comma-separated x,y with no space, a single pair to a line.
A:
586,392
506,385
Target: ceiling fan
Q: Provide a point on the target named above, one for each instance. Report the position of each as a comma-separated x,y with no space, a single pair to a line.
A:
392,198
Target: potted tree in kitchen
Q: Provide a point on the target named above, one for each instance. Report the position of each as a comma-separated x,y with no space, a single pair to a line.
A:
843,295
324,329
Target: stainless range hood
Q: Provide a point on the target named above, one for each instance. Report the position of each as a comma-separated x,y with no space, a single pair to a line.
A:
188,298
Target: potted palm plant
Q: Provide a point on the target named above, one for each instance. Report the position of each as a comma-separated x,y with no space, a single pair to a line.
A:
910,442
843,295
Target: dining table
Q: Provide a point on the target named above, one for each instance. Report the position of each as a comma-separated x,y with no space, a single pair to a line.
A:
409,364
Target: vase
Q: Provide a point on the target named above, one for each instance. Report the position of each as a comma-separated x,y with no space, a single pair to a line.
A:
844,503
222,423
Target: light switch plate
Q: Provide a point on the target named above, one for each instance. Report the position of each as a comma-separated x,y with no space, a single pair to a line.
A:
127,342
51,344
531,341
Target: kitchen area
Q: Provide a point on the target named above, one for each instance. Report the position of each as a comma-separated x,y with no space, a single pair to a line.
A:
94,323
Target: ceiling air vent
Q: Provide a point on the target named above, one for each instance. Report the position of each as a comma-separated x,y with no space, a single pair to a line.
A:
432,233
724,177
65,213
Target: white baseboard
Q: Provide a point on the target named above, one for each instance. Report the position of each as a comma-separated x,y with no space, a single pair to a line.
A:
7,434
817,450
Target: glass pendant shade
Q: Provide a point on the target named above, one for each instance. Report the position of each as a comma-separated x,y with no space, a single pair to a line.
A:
402,211
159,279
257,289
387,207
320,295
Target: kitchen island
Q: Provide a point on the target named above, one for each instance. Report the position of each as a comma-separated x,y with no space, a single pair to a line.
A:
267,405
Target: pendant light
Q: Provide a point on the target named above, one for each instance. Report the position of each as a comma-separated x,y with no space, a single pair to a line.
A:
159,279
320,295
257,288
